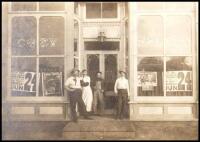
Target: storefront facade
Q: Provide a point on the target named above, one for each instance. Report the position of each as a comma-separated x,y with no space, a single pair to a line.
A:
156,43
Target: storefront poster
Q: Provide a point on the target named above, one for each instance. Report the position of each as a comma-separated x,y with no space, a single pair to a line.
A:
178,81
52,84
23,82
147,80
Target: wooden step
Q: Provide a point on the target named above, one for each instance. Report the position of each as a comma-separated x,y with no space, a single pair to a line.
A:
99,129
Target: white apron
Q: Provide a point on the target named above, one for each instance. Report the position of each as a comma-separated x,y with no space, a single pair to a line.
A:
87,94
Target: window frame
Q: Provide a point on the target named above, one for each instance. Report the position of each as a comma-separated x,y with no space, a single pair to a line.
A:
37,56
35,11
165,99
101,19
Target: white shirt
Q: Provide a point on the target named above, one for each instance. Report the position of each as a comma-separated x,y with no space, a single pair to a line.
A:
73,82
121,83
86,79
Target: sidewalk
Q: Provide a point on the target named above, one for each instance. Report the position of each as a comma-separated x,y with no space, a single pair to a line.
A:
143,130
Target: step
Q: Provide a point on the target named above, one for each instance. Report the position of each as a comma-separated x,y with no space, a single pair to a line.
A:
99,129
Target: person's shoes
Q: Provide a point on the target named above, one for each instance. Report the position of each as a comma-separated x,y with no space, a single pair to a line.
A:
75,120
88,118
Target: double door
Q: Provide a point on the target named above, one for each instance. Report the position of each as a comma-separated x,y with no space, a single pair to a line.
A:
107,63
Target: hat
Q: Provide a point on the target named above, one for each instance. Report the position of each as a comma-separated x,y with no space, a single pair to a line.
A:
84,70
120,71
73,70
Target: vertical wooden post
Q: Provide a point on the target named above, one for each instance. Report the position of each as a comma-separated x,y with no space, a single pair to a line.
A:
69,47
132,54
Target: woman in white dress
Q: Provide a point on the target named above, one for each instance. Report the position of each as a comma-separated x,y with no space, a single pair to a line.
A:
87,91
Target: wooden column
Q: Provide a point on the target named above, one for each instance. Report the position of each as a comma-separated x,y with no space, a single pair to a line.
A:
132,54
4,58
69,46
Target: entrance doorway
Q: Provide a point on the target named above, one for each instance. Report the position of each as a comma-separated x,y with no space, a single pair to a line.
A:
107,64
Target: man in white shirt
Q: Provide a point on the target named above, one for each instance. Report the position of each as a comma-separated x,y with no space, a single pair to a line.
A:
121,88
73,86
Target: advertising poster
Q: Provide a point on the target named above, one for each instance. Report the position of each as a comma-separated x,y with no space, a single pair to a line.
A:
23,83
147,80
52,84
178,81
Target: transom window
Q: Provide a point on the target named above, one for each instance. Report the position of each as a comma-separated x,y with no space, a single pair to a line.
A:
101,10
38,6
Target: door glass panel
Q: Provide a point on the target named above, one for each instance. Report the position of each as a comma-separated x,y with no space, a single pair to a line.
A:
110,78
92,67
110,71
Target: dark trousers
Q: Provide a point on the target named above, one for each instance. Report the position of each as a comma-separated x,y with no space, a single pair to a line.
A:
76,97
122,103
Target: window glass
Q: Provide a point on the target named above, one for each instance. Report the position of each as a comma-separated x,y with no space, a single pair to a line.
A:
109,10
51,76
150,76
96,45
150,35
23,76
179,76
52,6
24,6
93,10
51,35
76,7
178,35
24,35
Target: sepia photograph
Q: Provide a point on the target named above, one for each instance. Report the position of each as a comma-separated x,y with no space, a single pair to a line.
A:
100,70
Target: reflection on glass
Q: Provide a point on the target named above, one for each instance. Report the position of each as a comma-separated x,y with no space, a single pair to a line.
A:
23,76
92,66
150,76
93,10
179,76
109,10
150,35
24,6
178,35
51,35
24,35
51,6
110,71
51,76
